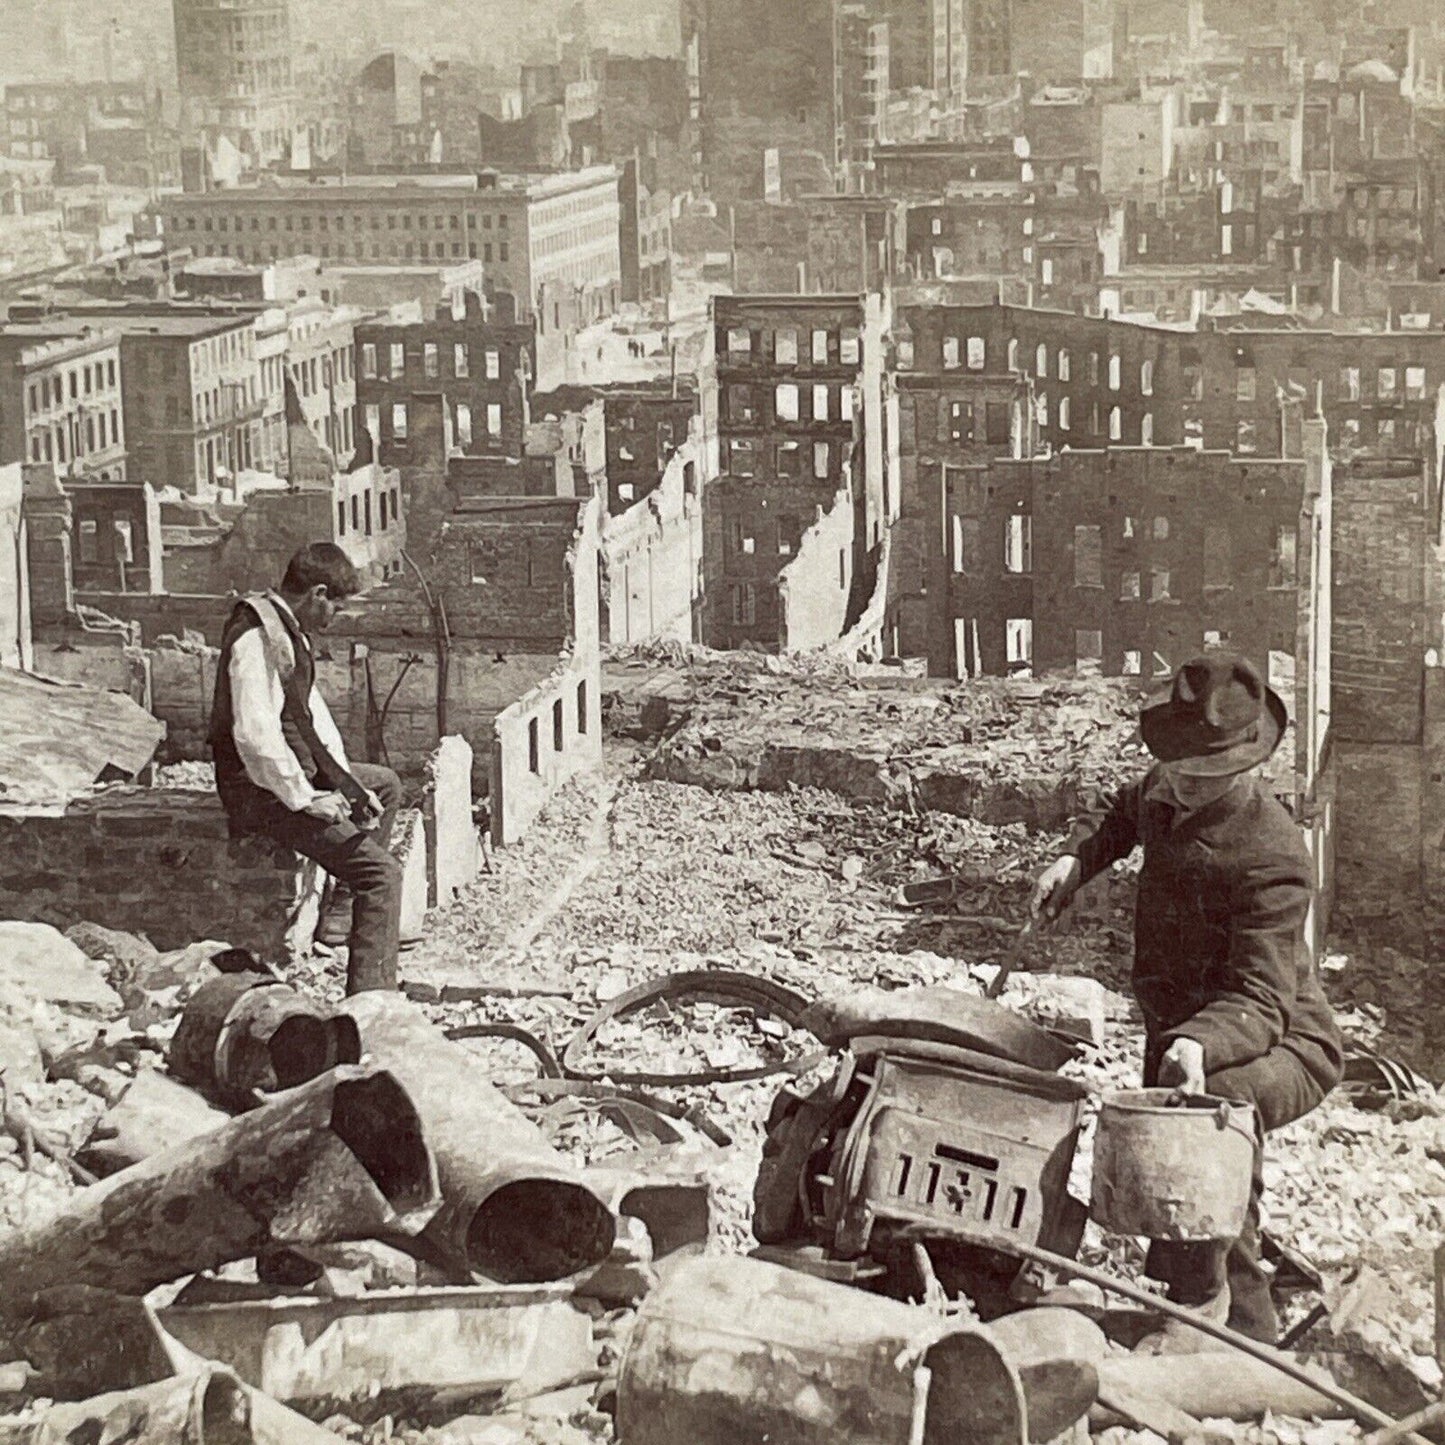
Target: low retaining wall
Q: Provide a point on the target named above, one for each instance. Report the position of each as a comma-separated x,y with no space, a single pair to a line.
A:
159,862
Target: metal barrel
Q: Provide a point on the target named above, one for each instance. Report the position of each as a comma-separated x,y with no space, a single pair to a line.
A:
514,1209
245,1032
732,1351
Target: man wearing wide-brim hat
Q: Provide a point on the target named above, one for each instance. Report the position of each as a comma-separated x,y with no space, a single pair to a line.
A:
1231,1001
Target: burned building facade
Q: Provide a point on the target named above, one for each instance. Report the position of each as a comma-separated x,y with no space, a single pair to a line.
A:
1124,562
802,432
478,364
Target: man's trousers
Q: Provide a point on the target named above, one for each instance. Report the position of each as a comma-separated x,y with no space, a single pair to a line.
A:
358,858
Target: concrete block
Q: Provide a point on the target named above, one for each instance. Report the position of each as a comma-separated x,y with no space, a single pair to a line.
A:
454,850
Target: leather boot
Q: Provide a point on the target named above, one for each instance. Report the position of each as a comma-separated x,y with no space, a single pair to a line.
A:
334,929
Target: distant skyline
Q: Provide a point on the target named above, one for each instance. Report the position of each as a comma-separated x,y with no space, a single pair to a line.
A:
58,39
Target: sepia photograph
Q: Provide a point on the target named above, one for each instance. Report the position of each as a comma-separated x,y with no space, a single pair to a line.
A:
722,722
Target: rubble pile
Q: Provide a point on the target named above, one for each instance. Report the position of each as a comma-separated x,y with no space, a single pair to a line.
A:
628,879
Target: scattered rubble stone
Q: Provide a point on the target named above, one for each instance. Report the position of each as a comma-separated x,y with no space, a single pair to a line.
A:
41,964
627,877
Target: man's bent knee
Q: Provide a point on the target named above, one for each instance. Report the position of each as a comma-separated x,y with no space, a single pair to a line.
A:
381,780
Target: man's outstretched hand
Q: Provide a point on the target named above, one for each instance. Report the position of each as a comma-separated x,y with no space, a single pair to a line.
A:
1182,1067
1054,887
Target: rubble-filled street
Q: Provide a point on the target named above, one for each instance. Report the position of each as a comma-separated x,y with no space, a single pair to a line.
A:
627,878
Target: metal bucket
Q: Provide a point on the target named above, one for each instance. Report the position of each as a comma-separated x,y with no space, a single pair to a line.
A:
1167,1167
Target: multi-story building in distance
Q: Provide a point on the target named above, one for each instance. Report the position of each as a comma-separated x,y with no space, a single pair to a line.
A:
233,64
551,240
60,398
192,398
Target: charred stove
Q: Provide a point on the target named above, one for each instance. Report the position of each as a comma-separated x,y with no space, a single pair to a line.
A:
944,1122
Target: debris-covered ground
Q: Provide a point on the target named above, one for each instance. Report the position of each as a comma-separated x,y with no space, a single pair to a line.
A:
629,876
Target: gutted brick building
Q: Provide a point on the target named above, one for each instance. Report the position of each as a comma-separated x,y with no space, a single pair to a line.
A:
1095,381
478,363
799,390
643,424
1377,389
1101,381
1123,562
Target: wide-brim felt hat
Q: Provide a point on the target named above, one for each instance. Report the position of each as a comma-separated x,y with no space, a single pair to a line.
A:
1219,717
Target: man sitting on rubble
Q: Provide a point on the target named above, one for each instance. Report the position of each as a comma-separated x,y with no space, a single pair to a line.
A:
281,768
1231,1002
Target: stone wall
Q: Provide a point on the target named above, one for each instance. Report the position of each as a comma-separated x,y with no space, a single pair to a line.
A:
154,861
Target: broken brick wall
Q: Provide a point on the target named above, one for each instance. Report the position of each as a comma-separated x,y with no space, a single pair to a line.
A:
541,742
653,557
813,588
388,713
154,861
162,614
105,662
1389,701
1381,543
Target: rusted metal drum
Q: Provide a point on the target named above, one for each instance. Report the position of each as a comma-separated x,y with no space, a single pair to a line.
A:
1168,1167
244,1033
732,1351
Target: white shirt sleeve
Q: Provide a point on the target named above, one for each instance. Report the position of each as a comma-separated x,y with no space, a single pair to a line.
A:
326,728
257,697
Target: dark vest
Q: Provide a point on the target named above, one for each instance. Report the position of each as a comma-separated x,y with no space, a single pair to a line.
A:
233,783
